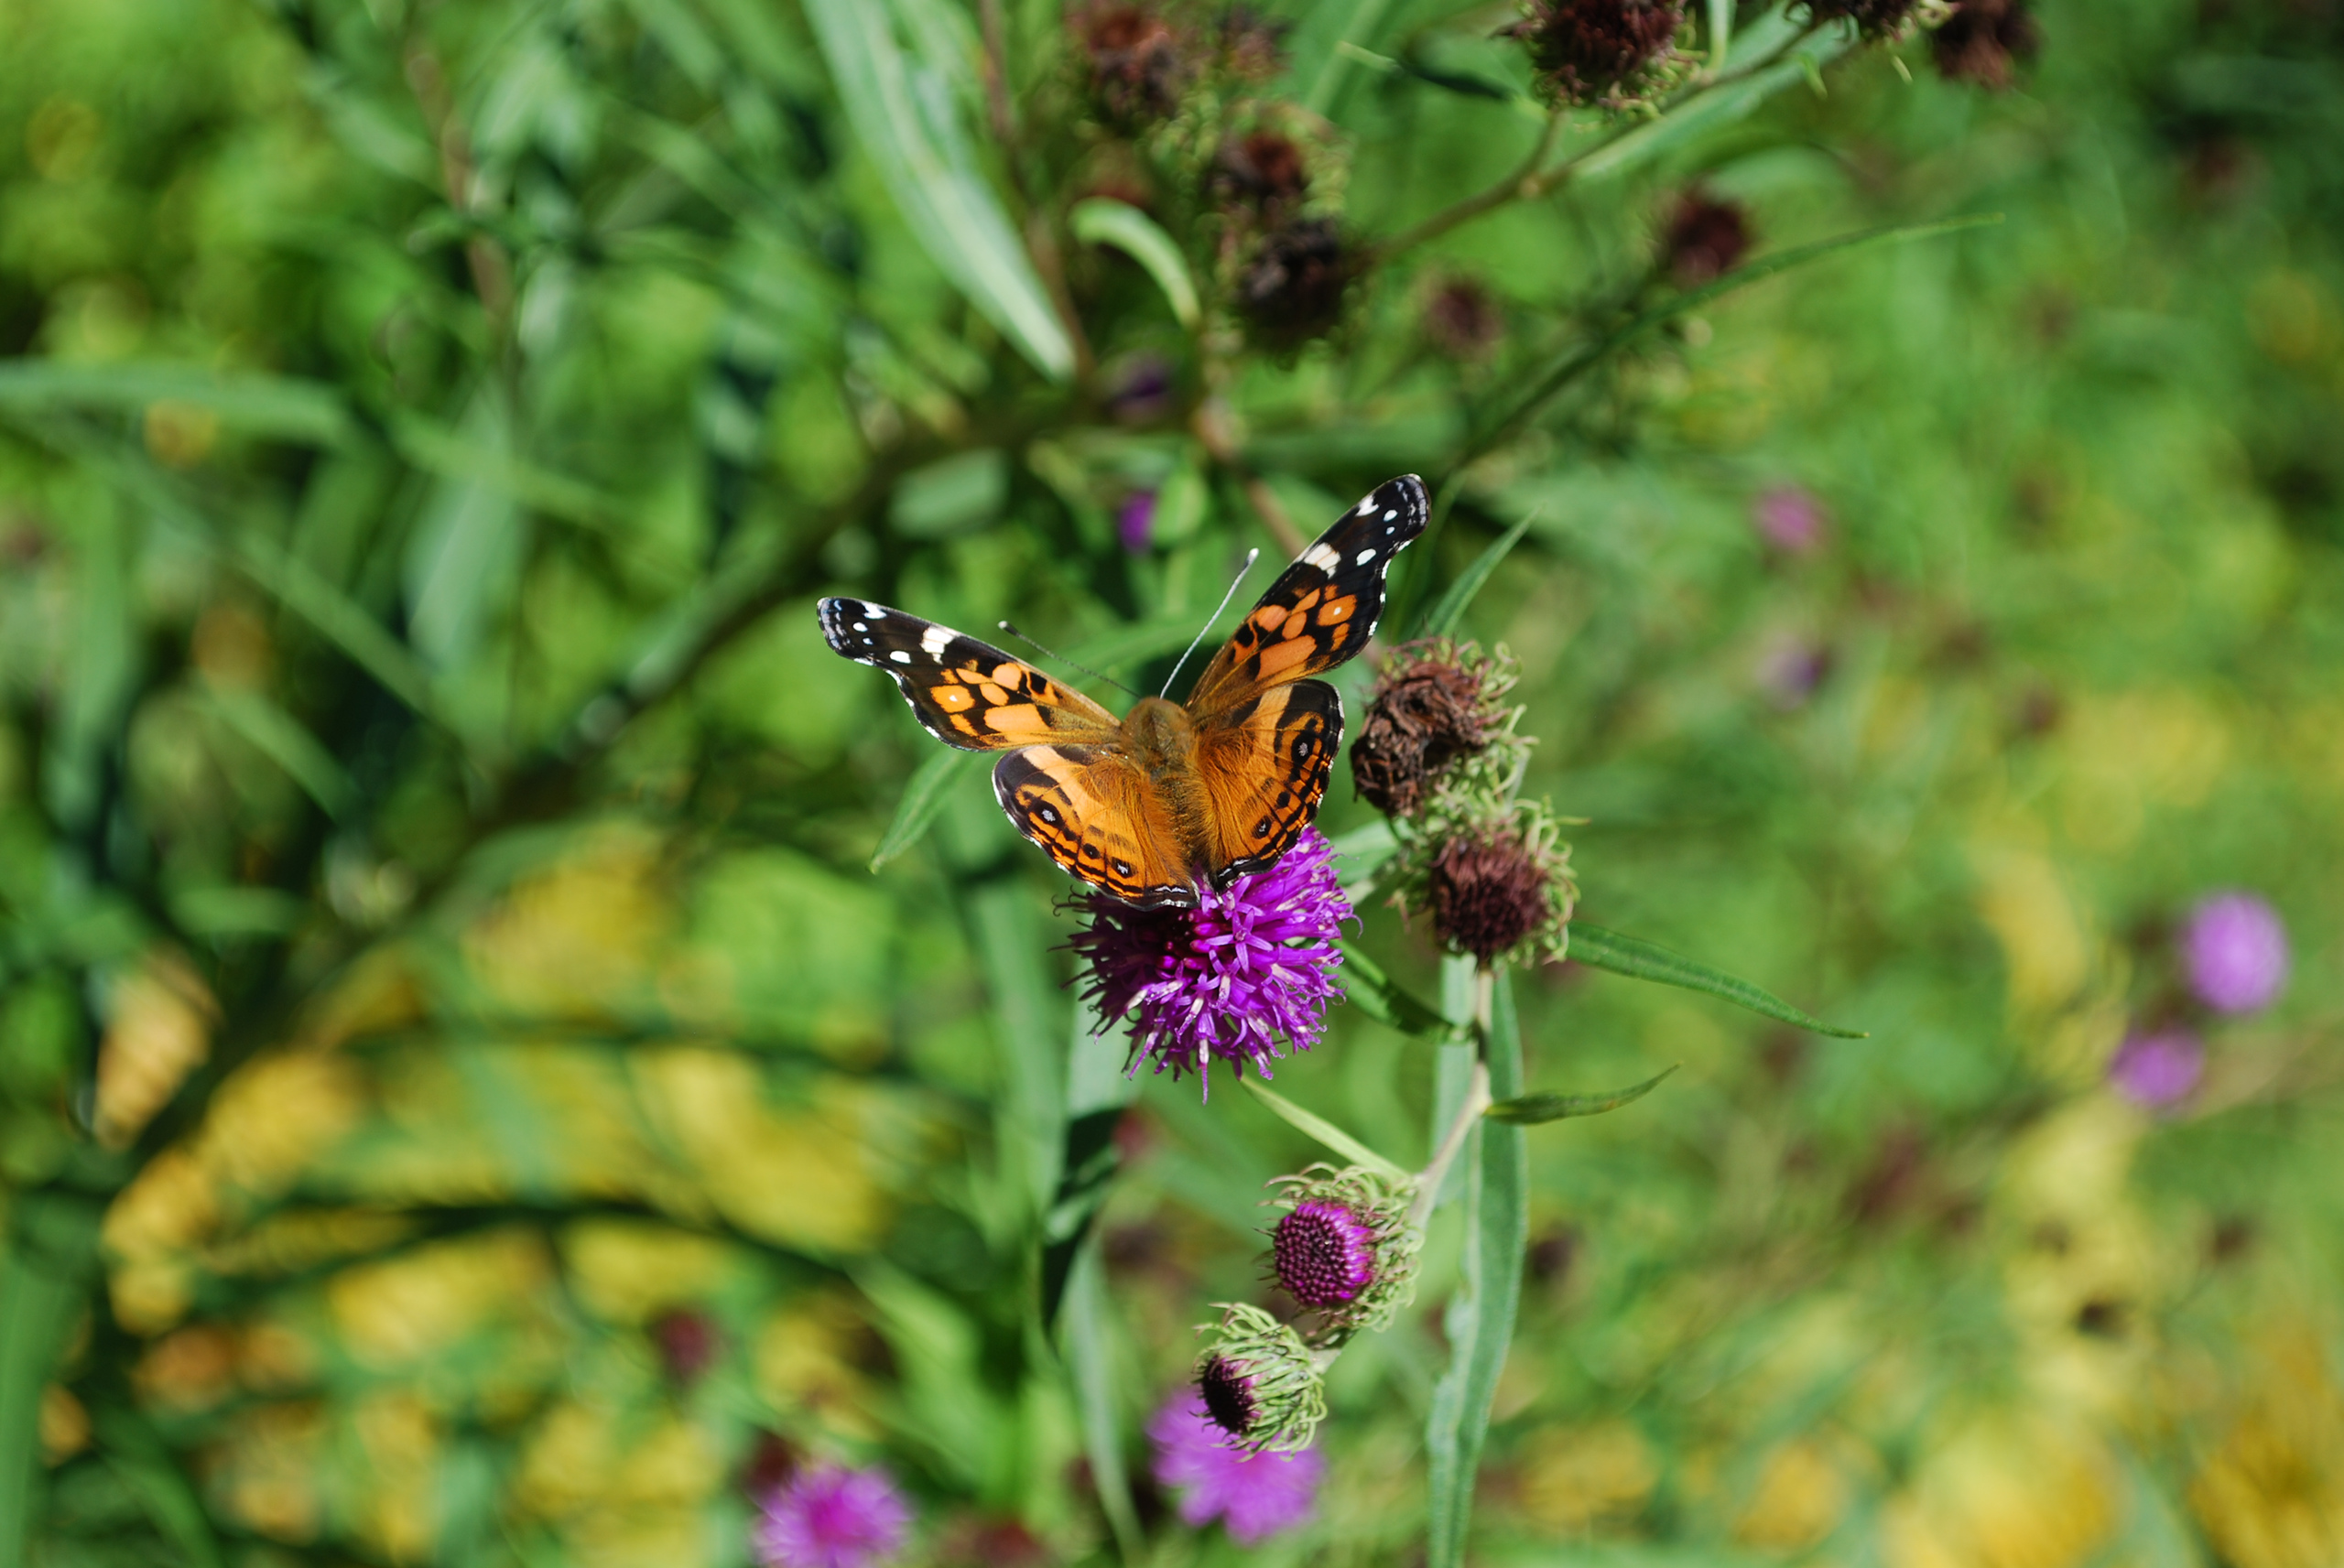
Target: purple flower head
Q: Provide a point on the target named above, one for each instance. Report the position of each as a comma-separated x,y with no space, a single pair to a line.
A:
1791,519
1242,976
2236,951
2158,1070
830,1516
1136,521
1324,1252
1254,1495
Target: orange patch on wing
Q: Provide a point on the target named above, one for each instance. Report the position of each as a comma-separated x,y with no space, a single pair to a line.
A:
1339,609
1017,718
1268,616
961,722
993,694
1281,656
954,698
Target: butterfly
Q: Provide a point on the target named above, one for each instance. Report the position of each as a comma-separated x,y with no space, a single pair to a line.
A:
1149,806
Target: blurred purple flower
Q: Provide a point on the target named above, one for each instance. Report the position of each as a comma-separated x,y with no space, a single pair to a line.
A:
1791,669
1792,519
831,1517
1142,388
1136,521
1254,1495
2158,1070
1243,977
2235,948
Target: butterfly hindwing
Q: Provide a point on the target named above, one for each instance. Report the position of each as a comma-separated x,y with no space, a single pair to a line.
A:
967,693
1324,607
1265,765
1097,814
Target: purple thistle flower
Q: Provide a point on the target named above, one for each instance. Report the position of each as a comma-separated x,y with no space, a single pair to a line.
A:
1791,519
2235,948
1254,1495
1324,1252
1243,977
831,1517
1136,521
2158,1070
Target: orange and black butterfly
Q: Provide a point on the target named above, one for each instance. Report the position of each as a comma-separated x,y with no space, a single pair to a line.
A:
1147,807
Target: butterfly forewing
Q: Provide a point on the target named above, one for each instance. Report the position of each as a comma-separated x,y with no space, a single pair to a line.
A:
1097,814
1265,765
1324,607
967,694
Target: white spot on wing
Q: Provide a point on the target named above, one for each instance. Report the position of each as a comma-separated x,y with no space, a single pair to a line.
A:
934,641
900,656
1319,556
1362,557
861,626
1389,516
874,612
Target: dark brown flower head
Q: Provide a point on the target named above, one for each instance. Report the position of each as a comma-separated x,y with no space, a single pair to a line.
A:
1292,291
1426,711
1261,170
1253,46
1463,321
1983,41
1490,892
1607,52
1227,1386
1874,19
1135,64
1706,238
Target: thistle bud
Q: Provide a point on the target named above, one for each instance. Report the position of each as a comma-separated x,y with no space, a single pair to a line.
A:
1706,238
1262,169
1136,63
1610,53
1292,291
1260,1383
1983,41
1344,1248
1496,888
1461,322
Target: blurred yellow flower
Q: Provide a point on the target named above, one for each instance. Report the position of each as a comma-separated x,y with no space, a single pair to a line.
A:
2012,1489
2046,946
409,1307
1576,1480
805,1364
158,1029
2272,1494
1801,1496
579,939
627,1271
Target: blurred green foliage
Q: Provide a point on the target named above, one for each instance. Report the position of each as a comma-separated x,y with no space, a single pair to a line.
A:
465,1099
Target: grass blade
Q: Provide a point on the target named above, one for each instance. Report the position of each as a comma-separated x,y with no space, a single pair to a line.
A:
1314,1125
282,739
1527,1110
1085,1340
1374,993
1104,222
924,796
900,108
1441,620
279,407
1641,960
1720,34
50,1255
1479,1322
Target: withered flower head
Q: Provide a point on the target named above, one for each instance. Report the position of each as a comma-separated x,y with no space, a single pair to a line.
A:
1983,41
1253,46
1262,169
1612,53
1428,708
1292,291
1134,62
1706,237
1463,321
1493,889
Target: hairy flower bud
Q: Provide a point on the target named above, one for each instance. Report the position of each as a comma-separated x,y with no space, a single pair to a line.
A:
1292,290
1983,41
1134,62
1612,53
1461,322
1262,169
1706,238
1499,887
1260,1383
1344,1248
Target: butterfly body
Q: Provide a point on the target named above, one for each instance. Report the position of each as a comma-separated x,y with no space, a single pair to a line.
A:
1172,795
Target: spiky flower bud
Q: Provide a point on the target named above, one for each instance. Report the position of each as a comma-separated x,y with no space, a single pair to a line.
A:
1500,887
1344,1248
1612,53
1706,238
1983,41
1260,1383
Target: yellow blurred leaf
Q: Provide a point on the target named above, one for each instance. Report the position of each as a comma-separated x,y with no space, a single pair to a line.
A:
158,1030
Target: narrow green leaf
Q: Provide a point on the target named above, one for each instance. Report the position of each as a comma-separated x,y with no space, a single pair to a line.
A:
1441,620
282,739
279,407
495,466
1097,1090
1790,52
1085,1336
1641,960
1374,993
901,105
237,911
1720,34
1101,221
1479,1321
1357,29
147,1467
50,1256
1314,1125
1530,1109
923,797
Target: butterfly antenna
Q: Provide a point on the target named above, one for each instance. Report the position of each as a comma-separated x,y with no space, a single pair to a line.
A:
1250,557
1069,664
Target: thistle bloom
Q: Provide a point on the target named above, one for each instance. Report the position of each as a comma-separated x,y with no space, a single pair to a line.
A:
2158,1070
831,1517
1243,977
1344,1249
1790,519
1260,1383
2236,951
1254,1495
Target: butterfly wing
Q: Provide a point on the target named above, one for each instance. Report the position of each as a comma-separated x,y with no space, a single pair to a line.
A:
1323,607
1097,814
967,694
1265,765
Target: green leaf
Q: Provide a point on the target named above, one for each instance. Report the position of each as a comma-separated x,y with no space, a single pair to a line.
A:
1374,993
1101,221
277,406
1790,52
1480,1319
1530,1109
282,739
924,796
1085,1341
1441,620
147,1467
901,107
231,911
51,1257
1720,34
1325,1132
1356,29
1641,960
